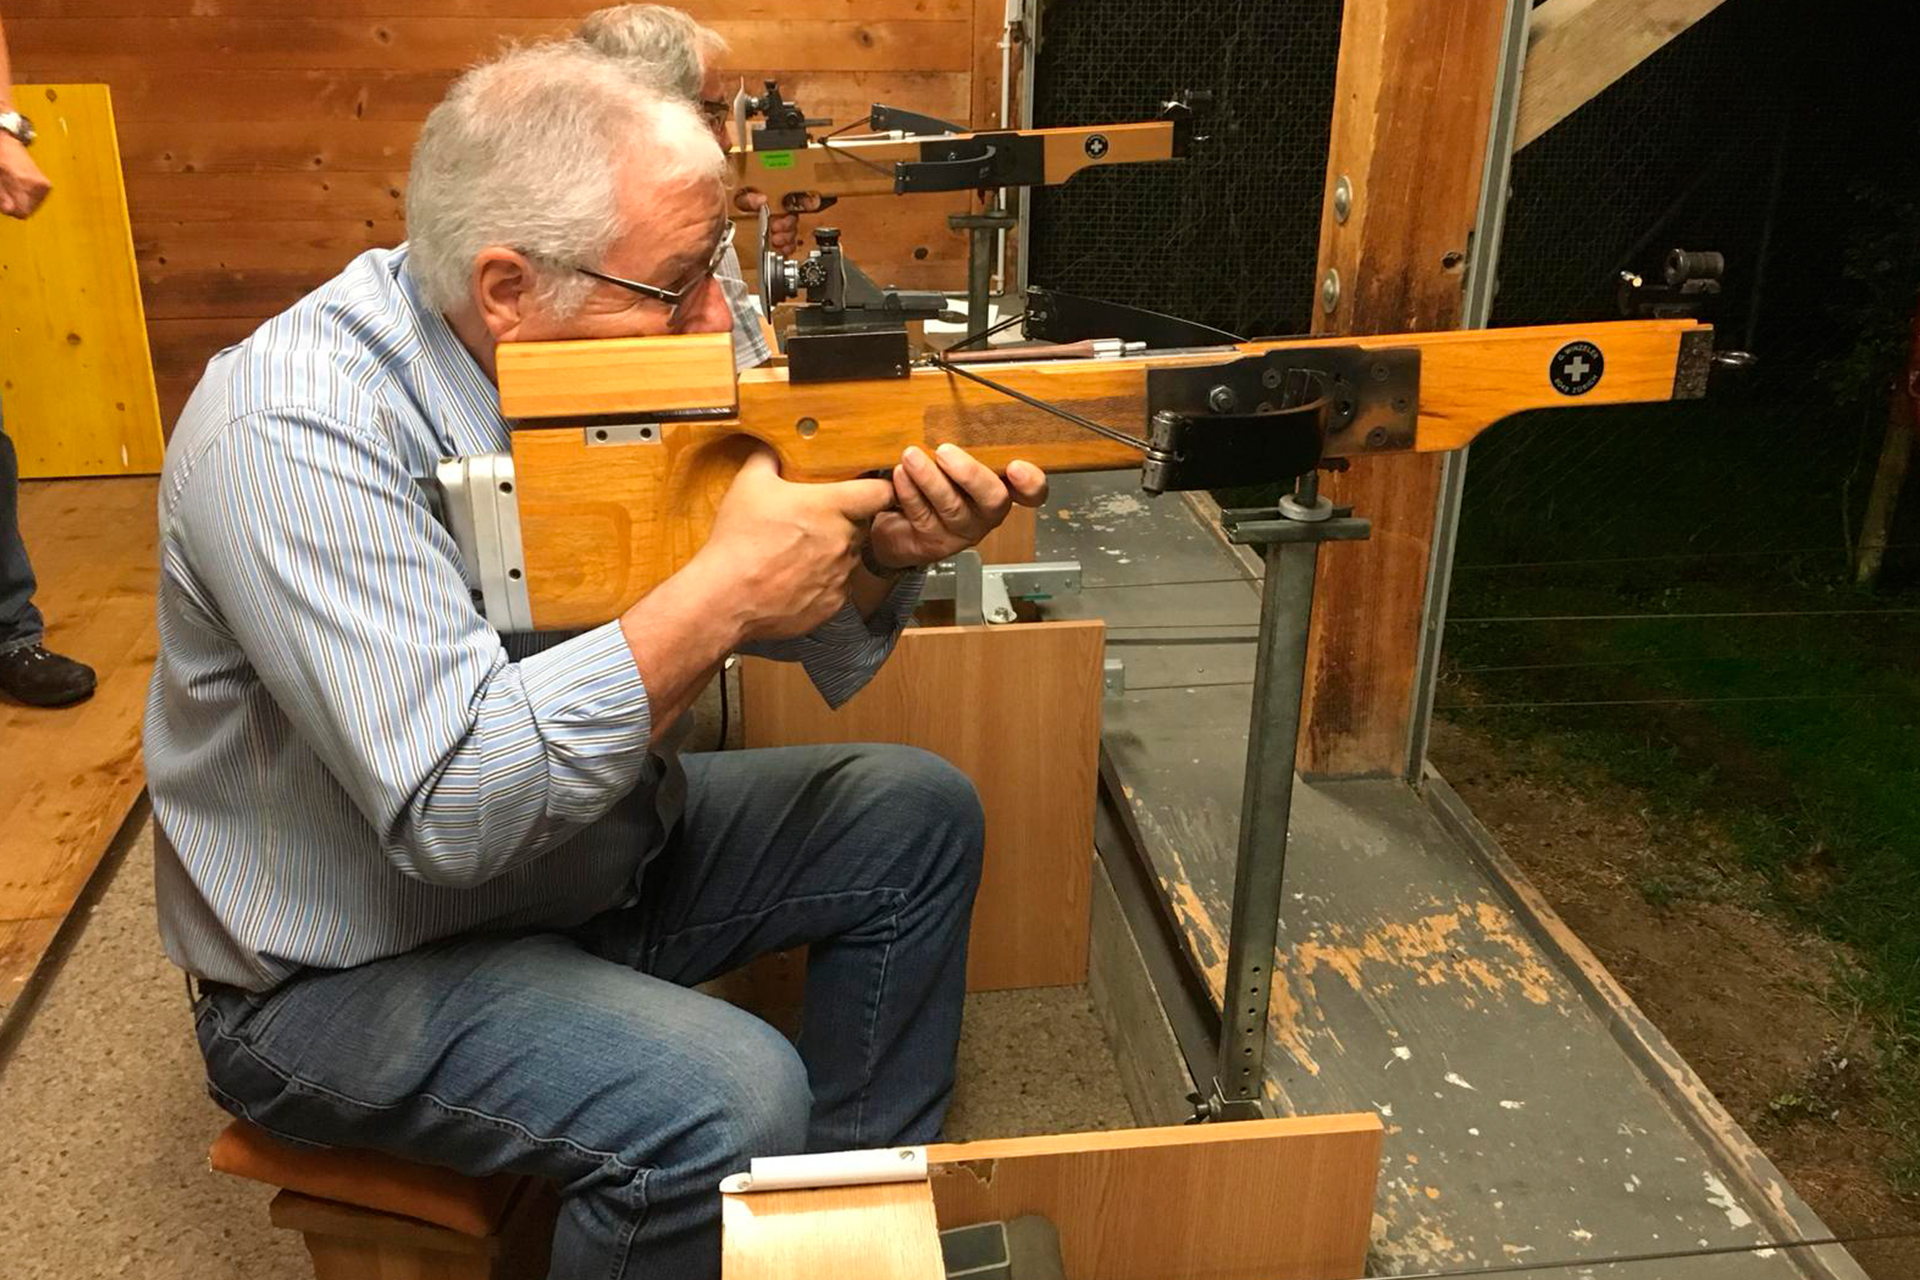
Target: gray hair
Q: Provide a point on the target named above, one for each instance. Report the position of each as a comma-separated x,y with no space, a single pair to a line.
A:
664,47
526,151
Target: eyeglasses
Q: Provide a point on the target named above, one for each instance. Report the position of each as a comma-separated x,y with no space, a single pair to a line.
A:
675,298
718,113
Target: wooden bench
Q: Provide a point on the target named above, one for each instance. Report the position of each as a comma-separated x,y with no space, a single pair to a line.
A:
366,1215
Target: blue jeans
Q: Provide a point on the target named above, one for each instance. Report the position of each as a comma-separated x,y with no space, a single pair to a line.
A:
20,623
583,1057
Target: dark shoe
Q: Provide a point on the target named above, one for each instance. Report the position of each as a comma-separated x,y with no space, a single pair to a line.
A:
42,679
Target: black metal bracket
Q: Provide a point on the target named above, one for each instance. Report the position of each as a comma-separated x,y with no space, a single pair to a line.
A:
886,119
786,122
1275,416
974,162
1214,450
848,354
1182,111
1053,316
849,328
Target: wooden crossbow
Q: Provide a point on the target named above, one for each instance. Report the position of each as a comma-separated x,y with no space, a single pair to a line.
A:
623,449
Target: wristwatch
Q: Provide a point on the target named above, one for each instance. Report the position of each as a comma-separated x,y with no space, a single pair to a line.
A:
18,125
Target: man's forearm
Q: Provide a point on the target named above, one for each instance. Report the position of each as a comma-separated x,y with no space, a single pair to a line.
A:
869,591
678,641
6,72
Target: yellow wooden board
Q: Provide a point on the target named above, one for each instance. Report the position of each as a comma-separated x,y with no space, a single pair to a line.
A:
76,380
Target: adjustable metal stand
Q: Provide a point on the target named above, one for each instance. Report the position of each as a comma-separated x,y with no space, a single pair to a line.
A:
983,237
1289,536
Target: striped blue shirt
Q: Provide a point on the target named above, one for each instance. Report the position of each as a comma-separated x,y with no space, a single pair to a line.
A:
750,346
345,760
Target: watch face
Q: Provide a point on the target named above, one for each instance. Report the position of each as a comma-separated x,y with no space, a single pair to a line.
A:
19,126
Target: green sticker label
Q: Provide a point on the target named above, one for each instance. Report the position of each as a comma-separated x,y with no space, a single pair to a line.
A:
775,159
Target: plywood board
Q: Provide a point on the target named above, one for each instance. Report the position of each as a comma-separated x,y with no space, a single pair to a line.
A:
881,1232
77,387
1017,709
1287,1199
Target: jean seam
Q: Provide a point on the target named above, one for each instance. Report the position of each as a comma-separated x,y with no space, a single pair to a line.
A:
897,896
873,1021
314,1088
623,1252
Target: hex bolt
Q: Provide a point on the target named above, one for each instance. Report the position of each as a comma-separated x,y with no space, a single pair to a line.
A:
1222,400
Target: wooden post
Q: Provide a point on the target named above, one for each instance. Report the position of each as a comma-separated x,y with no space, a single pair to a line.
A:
1903,419
1412,103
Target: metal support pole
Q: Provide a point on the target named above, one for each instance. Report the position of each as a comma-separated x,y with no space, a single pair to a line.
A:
983,230
1266,804
1483,264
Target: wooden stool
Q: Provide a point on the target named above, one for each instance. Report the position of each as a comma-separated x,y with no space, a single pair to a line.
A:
366,1215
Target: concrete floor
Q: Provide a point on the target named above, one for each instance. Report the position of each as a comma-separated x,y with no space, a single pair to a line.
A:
104,1123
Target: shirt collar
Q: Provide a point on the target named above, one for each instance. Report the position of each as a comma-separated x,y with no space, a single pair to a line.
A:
465,405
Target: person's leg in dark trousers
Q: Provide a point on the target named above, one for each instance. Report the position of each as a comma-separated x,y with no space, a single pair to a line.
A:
27,671
586,1059
20,622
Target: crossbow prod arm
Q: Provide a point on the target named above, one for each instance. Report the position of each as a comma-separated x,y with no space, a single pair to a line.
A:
623,449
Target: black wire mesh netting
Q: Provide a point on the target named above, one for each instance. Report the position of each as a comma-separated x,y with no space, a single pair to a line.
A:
1788,146
1229,236
1660,598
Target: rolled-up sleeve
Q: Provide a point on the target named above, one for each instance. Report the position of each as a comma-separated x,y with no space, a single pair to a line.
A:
317,551
842,654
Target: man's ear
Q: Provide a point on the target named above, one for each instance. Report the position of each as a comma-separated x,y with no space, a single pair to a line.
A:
503,286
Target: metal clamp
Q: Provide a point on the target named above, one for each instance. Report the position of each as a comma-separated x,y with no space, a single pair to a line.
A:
984,593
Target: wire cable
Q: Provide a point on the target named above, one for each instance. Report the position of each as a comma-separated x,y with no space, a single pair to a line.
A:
1119,437
1661,702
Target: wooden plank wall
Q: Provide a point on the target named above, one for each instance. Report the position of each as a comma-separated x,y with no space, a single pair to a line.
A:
265,142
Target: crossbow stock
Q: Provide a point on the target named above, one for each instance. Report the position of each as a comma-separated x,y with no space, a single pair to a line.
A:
623,449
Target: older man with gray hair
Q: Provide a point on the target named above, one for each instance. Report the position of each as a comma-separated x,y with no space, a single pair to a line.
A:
446,893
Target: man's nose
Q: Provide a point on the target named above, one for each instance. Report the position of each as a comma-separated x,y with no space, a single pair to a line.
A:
710,312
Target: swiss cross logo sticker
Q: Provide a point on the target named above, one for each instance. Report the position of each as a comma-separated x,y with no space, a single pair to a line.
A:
1096,145
1576,368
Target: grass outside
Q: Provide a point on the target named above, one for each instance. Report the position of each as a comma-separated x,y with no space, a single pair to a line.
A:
1797,737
